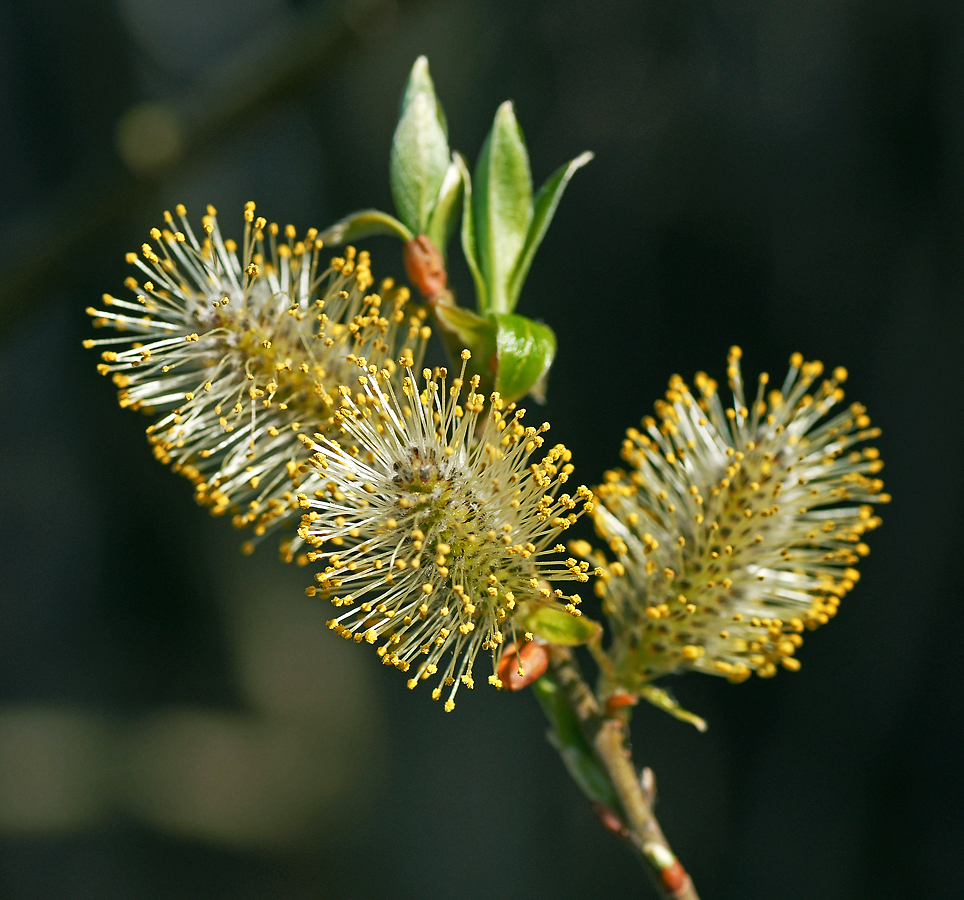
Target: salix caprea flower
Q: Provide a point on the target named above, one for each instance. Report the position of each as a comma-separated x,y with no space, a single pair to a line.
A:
238,349
437,535
735,528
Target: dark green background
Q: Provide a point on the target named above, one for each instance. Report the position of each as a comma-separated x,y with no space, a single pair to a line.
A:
175,721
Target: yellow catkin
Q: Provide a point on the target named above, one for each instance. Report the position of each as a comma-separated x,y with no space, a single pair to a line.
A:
235,348
471,535
761,530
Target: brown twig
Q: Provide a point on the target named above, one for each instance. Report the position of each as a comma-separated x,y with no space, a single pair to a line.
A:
608,736
280,61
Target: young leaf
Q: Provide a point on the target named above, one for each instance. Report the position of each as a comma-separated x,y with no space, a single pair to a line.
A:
567,737
469,246
420,81
441,222
462,329
659,697
420,151
526,350
559,627
544,208
362,224
502,205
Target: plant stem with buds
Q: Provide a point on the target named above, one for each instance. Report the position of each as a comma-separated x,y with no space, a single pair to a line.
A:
566,695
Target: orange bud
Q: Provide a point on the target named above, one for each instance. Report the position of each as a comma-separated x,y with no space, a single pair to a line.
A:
618,699
674,878
533,659
424,266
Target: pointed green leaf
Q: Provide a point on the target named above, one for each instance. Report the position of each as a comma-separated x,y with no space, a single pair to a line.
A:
476,333
502,205
461,329
420,151
441,222
558,626
420,81
660,698
544,208
469,247
362,224
526,350
567,737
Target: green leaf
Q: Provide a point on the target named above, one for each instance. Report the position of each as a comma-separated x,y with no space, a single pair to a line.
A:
441,222
566,736
420,151
525,353
469,247
511,353
420,81
476,333
461,329
362,224
558,626
502,206
660,698
544,208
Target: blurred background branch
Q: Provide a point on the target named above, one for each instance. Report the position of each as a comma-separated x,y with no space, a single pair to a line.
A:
276,63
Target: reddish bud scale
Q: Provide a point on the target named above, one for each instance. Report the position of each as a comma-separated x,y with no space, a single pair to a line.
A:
610,819
618,700
424,266
674,878
533,659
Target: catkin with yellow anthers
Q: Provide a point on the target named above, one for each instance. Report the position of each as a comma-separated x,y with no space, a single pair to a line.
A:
761,529
228,346
445,494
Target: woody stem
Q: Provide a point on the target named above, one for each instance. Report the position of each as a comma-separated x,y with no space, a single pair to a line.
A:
607,735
